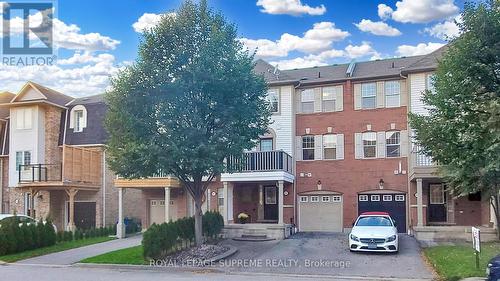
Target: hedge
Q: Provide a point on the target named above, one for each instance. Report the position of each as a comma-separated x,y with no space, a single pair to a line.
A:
161,239
16,237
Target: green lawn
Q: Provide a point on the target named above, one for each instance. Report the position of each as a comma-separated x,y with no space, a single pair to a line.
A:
457,262
52,249
124,256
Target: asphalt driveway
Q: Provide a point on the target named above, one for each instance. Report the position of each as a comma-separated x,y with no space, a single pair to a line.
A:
328,254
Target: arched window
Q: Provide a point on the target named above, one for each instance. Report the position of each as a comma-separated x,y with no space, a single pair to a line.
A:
78,118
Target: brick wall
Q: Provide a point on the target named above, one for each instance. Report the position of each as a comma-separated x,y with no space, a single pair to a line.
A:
4,187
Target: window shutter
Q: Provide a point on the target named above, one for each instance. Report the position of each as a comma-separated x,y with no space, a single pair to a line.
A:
20,118
380,94
357,96
339,100
380,144
298,148
340,147
358,146
404,143
298,104
318,147
317,100
403,93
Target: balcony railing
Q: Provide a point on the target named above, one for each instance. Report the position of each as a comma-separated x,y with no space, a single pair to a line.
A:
261,161
419,157
39,173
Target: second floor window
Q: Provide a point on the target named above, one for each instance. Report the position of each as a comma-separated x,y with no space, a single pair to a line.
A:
369,145
392,93
307,101
78,121
368,95
430,82
273,99
266,144
23,118
23,158
329,96
329,146
308,148
393,144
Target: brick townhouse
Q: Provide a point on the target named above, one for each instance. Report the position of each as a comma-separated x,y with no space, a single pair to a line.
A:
339,143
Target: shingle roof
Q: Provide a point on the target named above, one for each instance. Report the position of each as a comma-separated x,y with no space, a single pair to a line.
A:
5,97
270,73
383,68
427,62
90,99
52,95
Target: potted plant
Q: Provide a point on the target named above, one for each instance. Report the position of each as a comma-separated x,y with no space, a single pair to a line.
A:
242,217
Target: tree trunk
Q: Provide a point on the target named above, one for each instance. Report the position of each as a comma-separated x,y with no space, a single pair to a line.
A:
198,223
495,202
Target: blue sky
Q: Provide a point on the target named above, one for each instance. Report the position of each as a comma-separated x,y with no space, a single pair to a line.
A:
96,38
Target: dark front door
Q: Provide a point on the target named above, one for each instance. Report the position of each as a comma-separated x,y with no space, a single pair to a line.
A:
394,204
84,215
271,203
437,203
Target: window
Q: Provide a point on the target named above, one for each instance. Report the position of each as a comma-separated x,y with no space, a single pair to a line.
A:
325,198
162,202
430,82
307,101
392,93
23,158
314,199
303,199
375,198
337,198
78,121
153,202
220,197
270,194
399,197
368,95
387,198
363,198
369,144
308,148
393,144
24,118
266,144
374,221
436,194
329,98
273,99
329,146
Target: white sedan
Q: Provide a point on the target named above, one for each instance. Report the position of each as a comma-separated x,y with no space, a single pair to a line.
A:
22,219
374,232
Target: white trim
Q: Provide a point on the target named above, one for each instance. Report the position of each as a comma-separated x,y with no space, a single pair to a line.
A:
374,196
399,196
258,176
363,198
387,198
304,199
314,199
337,198
325,198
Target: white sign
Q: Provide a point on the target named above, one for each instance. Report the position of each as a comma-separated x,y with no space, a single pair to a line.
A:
476,239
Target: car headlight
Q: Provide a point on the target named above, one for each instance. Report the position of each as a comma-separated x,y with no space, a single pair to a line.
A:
354,237
391,238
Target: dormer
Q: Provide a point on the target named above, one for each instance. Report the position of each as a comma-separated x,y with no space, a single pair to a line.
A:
78,118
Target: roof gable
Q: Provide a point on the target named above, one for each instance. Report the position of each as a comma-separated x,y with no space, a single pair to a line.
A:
32,91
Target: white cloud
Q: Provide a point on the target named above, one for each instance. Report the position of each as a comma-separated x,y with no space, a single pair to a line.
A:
67,36
148,20
377,28
300,62
289,7
365,49
421,11
384,11
419,49
74,80
445,30
317,39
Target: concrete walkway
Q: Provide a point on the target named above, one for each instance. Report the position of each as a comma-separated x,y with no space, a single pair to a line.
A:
72,256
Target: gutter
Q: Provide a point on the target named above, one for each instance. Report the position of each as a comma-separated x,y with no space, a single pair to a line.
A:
104,188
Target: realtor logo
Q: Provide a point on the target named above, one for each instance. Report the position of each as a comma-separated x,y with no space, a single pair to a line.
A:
27,36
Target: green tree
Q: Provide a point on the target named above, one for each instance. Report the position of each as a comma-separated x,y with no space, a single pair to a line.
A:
189,101
462,132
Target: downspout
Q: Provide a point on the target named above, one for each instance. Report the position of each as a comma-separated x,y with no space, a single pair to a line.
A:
1,185
294,166
104,187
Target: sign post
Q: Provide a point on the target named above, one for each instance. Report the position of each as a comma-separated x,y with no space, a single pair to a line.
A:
476,243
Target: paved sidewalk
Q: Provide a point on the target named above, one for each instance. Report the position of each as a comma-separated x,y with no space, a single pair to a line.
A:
72,256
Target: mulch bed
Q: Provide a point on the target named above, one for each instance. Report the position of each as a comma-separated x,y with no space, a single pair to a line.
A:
199,253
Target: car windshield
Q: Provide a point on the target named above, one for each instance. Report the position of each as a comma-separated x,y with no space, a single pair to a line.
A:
374,221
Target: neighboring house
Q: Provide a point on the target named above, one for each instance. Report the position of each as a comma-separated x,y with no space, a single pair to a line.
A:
338,144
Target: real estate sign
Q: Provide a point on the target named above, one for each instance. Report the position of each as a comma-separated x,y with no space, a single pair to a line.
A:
476,239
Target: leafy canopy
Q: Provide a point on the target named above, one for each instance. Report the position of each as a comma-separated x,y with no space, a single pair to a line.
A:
462,132
189,101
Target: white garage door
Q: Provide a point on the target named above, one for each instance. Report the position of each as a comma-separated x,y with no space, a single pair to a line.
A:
157,212
320,213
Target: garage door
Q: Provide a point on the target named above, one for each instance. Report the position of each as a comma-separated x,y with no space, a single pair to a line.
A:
394,204
320,213
157,212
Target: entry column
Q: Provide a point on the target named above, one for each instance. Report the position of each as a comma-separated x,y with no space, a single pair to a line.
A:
120,226
167,204
228,202
71,194
420,204
280,202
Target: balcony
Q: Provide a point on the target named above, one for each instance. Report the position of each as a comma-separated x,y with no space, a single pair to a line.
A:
421,165
81,167
159,179
260,166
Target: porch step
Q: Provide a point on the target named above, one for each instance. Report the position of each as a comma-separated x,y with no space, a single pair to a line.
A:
253,238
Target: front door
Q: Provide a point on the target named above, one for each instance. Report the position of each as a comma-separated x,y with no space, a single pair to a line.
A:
85,213
437,203
271,203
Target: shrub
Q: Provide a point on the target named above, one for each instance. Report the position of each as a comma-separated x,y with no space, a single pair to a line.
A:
34,234
68,236
60,236
42,235
28,237
50,233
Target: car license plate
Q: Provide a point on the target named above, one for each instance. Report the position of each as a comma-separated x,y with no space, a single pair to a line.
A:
372,246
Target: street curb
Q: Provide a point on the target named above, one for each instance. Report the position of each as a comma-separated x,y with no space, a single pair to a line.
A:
325,276
232,250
